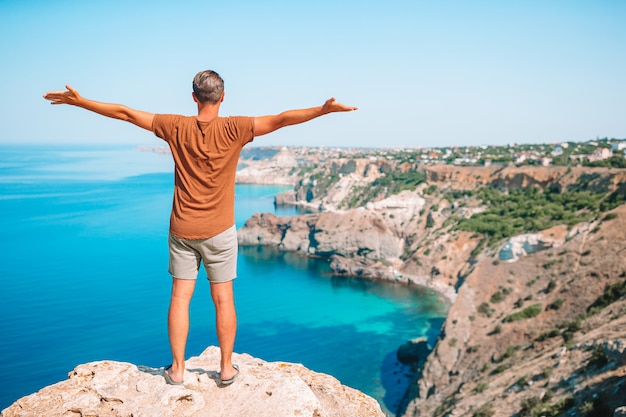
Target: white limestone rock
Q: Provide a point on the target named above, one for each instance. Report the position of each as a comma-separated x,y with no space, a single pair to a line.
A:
263,389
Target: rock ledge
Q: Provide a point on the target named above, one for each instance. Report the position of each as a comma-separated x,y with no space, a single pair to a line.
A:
112,389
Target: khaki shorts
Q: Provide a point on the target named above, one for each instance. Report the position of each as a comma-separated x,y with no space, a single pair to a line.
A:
219,254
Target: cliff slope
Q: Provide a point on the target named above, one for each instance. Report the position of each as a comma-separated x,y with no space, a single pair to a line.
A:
543,334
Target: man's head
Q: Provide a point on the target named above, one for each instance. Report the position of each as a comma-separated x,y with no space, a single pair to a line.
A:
208,87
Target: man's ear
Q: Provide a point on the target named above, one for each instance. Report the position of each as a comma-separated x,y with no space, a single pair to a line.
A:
195,99
222,99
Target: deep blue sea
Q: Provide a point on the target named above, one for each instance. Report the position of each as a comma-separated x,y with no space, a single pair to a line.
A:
83,260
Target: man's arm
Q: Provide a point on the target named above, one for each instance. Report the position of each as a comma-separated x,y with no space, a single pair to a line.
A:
116,111
267,124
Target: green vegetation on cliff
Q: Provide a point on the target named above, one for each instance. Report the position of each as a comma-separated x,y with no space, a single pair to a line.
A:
530,210
384,186
612,162
528,312
611,294
323,182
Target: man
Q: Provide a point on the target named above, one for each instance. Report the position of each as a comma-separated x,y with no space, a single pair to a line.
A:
206,150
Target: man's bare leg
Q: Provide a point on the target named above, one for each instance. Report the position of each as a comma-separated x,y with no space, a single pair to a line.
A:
225,324
178,324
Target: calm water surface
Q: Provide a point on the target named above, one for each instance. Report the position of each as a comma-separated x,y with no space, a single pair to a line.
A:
83,256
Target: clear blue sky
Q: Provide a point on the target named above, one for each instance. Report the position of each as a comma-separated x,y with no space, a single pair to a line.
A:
423,73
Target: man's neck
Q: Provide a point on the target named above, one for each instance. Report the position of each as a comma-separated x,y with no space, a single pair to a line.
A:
208,112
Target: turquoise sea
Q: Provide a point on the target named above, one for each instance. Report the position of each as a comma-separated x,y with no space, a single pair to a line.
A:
83,260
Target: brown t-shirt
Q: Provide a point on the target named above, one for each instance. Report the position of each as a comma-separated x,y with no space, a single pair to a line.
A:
205,163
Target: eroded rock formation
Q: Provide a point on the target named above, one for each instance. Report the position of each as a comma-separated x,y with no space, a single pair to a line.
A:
264,389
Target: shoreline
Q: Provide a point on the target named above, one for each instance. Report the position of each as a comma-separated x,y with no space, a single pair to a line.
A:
448,293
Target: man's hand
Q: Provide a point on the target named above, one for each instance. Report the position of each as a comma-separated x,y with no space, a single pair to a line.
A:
116,111
70,96
267,124
331,106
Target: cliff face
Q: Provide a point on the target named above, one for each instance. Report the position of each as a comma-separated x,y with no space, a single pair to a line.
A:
507,178
358,233
112,389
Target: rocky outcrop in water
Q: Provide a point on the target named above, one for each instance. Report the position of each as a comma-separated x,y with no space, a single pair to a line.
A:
114,389
359,242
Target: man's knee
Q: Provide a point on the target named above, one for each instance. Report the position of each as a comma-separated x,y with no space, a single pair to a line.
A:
222,293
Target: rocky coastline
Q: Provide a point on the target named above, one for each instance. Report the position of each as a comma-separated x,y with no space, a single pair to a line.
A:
357,244
531,260
522,336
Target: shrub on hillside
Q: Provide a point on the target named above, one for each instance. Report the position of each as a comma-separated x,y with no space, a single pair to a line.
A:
528,312
556,305
485,310
611,294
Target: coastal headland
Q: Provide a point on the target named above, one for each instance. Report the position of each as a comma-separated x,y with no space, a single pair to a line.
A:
530,255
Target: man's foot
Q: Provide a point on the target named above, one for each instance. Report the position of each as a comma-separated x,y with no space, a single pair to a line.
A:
169,377
226,379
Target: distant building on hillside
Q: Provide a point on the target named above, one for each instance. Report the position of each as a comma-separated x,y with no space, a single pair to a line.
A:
616,147
600,154
521,158
465,160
